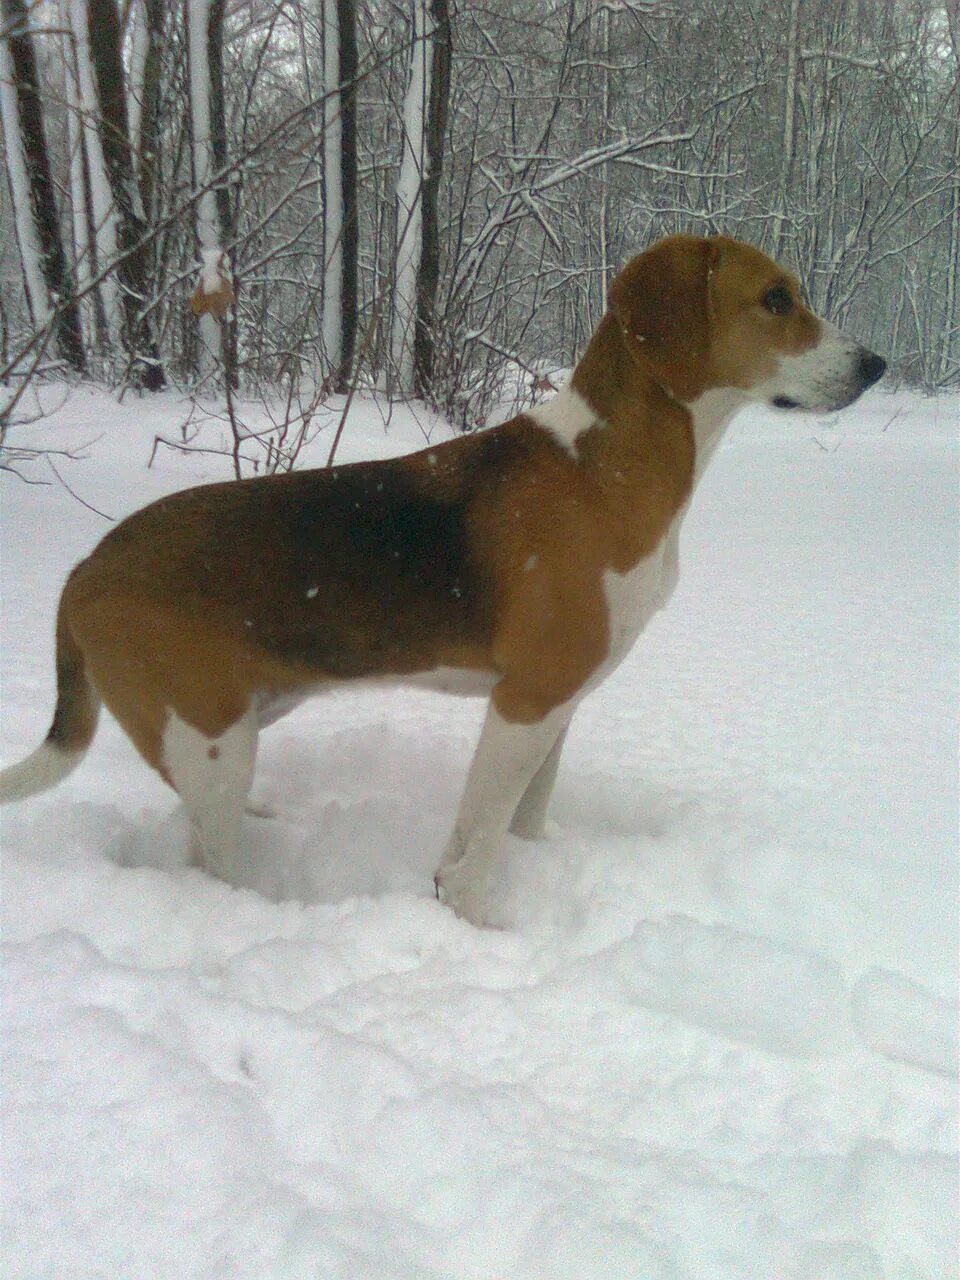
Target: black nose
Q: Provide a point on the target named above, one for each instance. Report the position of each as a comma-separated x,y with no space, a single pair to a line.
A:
871,368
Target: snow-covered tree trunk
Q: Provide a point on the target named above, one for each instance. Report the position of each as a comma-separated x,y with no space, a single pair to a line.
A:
104,214
79,211
349,66
789,145
436,127
339,188
49,282
952,275
28,240
139,41
607,269
332,192
213,295
409,233
145,75
144,369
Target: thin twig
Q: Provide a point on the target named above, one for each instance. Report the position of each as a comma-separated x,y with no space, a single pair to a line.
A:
82,501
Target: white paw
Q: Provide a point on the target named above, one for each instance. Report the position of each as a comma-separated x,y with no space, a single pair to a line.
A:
459,892
535,829
528,829
260,809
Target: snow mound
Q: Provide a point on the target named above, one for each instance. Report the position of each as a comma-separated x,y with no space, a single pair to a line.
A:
716,1038
901,1020
747,988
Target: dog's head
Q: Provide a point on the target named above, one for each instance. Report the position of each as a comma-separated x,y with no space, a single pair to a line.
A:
699,314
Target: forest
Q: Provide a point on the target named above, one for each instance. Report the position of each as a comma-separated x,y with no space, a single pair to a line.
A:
293,198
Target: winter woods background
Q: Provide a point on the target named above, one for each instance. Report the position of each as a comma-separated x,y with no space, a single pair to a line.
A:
431,197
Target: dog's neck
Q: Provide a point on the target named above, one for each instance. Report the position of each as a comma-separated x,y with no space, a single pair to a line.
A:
710,416
633,445
610,379
624,396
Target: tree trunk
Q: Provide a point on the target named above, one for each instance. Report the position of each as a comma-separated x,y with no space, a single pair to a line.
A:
98,206
28,239
214,294
347,25
409,232
437,109
145,369
332,324
92,317
146,139
339,188
225,208
789,145
58,286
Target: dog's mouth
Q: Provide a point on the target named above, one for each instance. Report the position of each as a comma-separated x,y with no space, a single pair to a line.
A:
868,370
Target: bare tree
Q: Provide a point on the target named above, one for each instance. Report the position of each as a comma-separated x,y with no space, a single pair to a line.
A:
29,164
146,77
409,198
349,68
441,53
145,368
94,215
213,296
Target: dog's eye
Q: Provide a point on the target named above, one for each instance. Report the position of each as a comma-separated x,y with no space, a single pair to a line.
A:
778,301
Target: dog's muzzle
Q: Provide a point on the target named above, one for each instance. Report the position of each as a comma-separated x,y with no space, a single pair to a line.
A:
870,369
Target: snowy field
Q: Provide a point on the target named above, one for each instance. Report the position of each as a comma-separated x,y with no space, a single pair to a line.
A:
715,1038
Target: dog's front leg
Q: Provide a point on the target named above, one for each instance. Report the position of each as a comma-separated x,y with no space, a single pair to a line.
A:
529,820
507,758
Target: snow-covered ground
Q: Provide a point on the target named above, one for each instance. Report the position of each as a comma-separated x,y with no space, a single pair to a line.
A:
716,1038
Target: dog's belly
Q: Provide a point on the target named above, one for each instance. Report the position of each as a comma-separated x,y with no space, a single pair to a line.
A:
270,707
460,682
632,600
455,680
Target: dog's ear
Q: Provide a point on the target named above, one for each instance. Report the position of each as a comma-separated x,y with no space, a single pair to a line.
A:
661,303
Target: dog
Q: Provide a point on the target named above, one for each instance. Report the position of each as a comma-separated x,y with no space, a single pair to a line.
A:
521,562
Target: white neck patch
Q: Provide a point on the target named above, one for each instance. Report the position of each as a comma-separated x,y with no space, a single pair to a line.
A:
711,413
566,417
569,414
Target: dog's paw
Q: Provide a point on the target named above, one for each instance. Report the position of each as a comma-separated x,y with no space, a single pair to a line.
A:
536,828
457,891
260,809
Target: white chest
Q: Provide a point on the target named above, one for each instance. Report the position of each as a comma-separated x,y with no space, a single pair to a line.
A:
634,597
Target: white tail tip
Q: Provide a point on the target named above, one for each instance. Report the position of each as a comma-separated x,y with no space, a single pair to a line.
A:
42,769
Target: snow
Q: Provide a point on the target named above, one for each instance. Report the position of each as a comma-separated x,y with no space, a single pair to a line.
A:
716,1037
211,270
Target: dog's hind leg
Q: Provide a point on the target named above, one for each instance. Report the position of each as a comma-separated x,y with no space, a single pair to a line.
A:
212,776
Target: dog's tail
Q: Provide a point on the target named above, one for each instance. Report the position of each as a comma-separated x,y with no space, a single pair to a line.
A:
72,730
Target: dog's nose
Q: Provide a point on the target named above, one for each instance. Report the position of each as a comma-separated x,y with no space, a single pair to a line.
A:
871,368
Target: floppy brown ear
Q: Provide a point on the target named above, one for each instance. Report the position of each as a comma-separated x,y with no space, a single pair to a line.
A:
661,303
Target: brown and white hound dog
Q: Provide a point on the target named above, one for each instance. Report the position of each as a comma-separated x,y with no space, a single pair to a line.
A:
520,562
